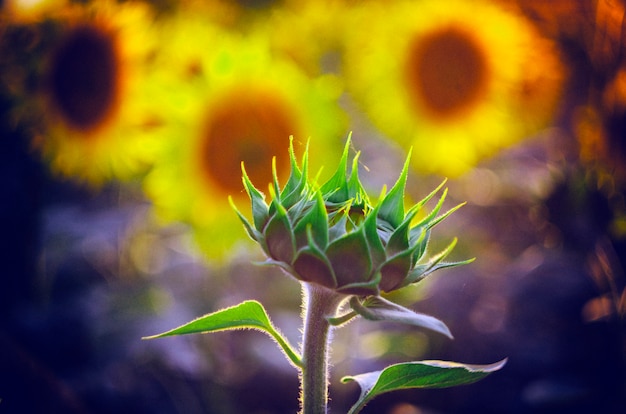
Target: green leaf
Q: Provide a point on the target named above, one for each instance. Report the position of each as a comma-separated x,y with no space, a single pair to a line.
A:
418,374
376,308
247,315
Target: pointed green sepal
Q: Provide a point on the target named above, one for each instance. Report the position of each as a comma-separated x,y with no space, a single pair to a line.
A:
295,189
336,188
426,199
342,319
418,274
445,215
260,209
399,240
252,232
425,222
392,205
339,220
420,271
377,249
317,220
355,188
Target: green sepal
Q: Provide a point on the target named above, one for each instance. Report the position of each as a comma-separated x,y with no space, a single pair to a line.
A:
420,271
342,319
426,199
430,217
392,205
369,288
419,238
252,232
335,190
440,218
279,237
350,259
338,228
376,308
395,270
317,220
377,249
356,191
420,274
247,315
417,374
399,240
260,210
295,189
312,265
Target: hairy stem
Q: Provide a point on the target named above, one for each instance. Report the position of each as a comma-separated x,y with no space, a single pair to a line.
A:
320,303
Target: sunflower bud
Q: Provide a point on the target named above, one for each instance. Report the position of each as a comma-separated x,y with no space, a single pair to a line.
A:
333,236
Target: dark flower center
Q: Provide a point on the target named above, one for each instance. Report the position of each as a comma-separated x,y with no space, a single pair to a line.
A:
446,71
250,126
84,77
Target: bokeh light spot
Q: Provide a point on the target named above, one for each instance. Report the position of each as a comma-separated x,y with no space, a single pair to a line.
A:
85,78
250,126
446,71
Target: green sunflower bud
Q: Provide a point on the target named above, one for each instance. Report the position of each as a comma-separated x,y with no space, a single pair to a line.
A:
333,236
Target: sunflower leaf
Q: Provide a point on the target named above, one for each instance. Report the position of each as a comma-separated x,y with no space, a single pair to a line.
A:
247,315
417,374
376,308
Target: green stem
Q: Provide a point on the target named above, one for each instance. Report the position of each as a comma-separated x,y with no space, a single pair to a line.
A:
320,304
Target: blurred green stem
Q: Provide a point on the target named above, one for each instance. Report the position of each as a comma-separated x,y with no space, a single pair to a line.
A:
320,303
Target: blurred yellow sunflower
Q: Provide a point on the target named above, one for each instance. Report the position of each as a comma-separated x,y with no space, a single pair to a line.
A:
309,33
230,101
457,80
93,100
